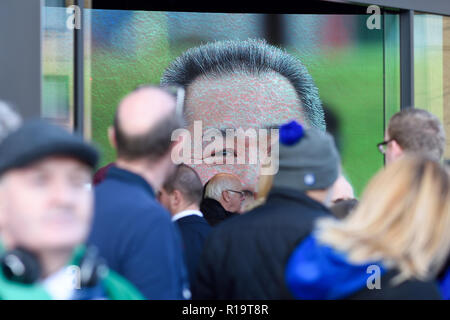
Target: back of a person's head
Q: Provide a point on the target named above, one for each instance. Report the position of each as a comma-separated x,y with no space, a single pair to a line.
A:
187,182
219,183
403,219
418,131
156,141
215,59
10,120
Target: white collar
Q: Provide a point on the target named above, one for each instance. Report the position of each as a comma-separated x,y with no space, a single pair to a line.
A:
186,213
61,284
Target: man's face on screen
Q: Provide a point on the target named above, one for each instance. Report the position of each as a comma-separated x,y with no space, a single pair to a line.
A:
239,101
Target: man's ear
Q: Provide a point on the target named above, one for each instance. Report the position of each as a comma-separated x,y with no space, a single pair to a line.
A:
226,196
112,137
396,150
176,199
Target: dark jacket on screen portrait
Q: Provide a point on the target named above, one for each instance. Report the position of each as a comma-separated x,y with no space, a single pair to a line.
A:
245,257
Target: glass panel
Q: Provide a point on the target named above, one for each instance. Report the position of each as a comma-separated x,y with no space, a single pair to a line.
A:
391,66
344,57
432,67
57,67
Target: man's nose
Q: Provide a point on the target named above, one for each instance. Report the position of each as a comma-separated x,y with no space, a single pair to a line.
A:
62,194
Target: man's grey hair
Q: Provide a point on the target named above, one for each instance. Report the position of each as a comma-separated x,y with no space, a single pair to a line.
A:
10,120
219,183
252,57
418,131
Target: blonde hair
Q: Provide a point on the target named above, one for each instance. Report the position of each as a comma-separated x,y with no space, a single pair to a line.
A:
403,220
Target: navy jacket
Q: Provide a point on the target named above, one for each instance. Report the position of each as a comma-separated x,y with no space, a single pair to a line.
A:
136,236
194,231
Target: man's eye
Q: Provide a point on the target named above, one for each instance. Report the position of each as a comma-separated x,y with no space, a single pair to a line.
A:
39,179
80,180
223,153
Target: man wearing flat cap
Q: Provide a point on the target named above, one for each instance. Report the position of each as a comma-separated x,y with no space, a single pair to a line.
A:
45,216
245,257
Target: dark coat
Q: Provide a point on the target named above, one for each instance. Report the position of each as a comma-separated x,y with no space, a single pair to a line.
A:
194,230
245,257
214,212
136,236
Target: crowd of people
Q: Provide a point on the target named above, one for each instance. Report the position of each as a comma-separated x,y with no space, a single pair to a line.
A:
144,227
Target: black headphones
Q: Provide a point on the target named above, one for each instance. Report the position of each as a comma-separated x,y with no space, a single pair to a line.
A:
21,265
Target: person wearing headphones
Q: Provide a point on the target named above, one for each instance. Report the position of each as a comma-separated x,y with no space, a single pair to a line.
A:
45,215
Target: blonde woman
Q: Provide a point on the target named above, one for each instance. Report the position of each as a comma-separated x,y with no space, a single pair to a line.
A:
390,247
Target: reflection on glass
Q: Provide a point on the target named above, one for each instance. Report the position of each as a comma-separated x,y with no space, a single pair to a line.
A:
124,49
57,65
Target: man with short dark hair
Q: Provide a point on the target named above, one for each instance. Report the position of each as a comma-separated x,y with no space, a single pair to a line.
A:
414,131
243,84
131,229
181,195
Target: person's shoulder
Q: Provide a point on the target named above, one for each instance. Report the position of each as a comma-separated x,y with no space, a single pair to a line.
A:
118,288
193,220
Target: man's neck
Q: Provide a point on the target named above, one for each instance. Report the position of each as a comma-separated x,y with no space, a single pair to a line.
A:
152,175
53,260
322,196
186,208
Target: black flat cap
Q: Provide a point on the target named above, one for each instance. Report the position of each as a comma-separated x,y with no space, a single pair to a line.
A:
38,139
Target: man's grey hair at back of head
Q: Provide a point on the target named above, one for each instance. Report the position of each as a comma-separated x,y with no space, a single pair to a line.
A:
219,183
253,57
10,120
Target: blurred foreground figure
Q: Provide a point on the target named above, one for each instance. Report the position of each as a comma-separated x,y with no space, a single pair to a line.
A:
133,232
244,258
45,215
390,247
181,195
223,198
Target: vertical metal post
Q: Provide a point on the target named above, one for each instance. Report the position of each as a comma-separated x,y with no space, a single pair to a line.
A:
78,72
21,55
407,59
274,29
